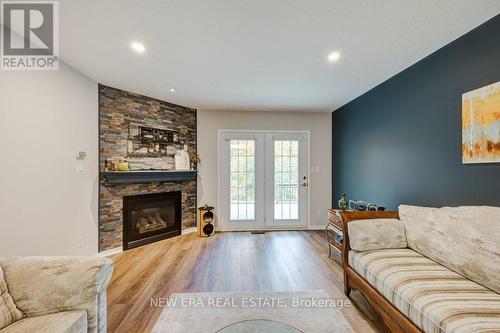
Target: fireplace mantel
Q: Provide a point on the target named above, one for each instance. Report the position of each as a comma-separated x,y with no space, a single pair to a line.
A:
147,176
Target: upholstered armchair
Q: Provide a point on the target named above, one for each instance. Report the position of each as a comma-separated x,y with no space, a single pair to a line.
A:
57,294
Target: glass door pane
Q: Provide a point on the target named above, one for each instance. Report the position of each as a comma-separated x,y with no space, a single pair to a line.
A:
286,179
242,179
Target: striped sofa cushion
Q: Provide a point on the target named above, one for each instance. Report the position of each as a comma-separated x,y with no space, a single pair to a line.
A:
433,297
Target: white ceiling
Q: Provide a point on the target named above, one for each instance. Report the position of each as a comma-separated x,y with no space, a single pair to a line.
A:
258,54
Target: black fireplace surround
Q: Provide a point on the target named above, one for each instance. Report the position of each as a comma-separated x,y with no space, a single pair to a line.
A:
148,218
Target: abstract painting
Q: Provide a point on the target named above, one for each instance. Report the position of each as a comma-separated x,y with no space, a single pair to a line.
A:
481,125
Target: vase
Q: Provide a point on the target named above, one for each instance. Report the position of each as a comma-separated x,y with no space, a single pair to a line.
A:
343,202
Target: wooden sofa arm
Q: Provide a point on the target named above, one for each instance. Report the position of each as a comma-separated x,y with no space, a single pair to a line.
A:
349,216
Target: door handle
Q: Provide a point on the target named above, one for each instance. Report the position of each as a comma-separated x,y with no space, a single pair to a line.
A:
305,184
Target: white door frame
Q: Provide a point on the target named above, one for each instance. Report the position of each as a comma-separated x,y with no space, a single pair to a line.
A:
222,132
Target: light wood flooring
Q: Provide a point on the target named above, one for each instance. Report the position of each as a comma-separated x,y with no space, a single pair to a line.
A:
232,261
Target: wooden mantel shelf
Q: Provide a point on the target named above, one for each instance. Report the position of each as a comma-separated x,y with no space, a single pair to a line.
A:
147,176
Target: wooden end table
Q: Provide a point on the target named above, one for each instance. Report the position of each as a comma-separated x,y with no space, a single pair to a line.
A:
334,227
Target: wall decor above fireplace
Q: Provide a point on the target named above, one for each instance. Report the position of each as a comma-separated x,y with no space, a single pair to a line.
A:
151,134
146,141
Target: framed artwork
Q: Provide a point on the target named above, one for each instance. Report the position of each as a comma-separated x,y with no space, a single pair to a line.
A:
481,125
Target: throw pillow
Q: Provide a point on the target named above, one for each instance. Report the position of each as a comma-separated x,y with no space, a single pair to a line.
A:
376,234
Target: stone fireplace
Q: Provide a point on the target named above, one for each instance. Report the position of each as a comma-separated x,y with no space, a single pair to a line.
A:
136,212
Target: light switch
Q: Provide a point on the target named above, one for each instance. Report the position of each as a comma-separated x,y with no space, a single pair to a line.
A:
80,155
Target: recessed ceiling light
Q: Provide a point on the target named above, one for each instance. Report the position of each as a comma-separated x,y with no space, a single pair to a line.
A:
334,56
172,90
138,47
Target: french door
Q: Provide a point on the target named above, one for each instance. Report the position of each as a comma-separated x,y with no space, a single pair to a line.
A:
263,180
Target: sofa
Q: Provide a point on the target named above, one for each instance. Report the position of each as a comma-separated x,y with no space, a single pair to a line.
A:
53,294
426,269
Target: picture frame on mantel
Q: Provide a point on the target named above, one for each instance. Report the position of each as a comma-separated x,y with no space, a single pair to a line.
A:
481,125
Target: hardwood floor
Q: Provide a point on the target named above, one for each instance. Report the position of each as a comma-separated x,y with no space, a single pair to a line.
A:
234,261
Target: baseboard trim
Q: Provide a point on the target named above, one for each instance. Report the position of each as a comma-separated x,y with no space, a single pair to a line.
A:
316,227
313,227
189,230
110,252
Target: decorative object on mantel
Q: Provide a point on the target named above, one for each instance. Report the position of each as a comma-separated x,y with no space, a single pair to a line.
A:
195,161
122,166
361,205
343,201
481,125
182,159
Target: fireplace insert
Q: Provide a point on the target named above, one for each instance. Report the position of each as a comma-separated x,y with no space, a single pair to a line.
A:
148,218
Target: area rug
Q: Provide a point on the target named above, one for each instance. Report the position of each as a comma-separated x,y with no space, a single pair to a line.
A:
249,312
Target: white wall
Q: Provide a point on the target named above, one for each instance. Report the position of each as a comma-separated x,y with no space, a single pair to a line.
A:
320,125
45,116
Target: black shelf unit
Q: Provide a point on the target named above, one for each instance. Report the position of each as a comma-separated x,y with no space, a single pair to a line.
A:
147,176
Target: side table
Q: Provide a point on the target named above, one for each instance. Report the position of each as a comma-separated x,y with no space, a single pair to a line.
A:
334,235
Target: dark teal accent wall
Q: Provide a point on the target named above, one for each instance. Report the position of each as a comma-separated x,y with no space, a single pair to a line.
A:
401,141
